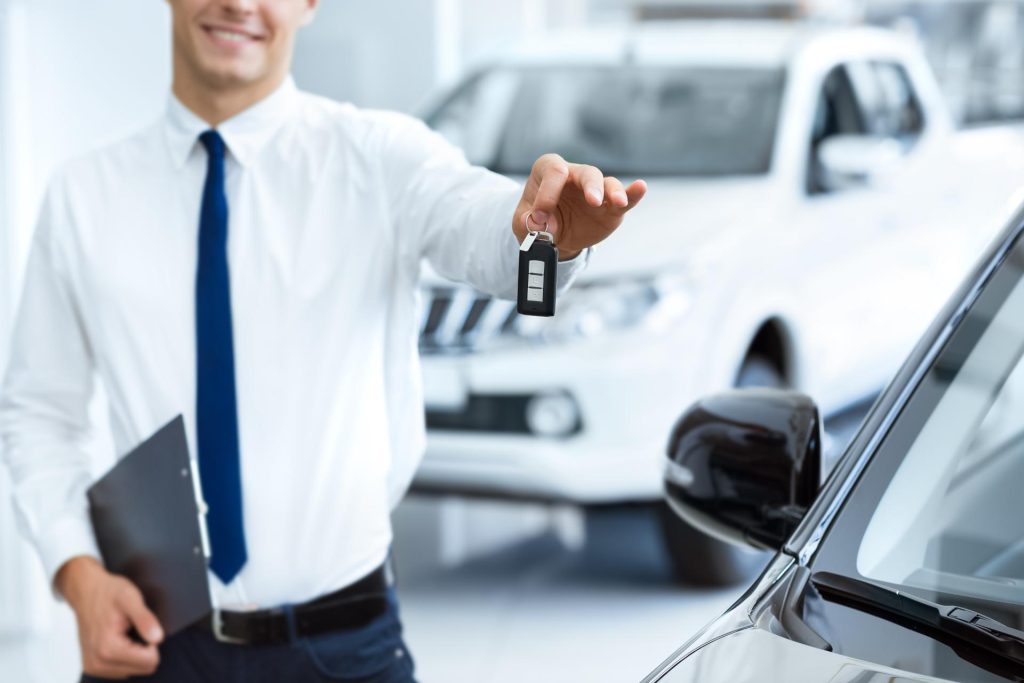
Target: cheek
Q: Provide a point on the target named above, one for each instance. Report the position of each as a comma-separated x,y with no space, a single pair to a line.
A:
284,19
181,26
269,55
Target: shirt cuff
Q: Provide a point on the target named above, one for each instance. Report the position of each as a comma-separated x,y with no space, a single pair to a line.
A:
570,268
66,538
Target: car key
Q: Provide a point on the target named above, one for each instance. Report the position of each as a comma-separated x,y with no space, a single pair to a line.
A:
538,266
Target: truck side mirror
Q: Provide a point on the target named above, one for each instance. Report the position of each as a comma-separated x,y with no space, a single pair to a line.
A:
744,465
847,161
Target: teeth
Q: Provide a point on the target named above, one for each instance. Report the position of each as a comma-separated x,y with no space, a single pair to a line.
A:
230,35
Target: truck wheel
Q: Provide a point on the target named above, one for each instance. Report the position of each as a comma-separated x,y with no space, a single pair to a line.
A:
700,560
696,558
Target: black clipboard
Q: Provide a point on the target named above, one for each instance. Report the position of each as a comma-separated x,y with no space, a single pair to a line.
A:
149,527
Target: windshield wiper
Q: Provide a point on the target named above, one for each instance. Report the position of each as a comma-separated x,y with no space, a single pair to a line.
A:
951,624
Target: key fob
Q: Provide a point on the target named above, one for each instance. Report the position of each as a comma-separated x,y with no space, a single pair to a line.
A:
538,267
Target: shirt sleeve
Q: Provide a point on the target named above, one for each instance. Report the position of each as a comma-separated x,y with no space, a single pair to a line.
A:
456,215
44,404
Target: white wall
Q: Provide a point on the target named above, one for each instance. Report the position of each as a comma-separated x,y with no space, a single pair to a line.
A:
376,54
74,75
393,54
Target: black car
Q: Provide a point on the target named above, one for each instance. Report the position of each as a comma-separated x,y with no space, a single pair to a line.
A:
908,563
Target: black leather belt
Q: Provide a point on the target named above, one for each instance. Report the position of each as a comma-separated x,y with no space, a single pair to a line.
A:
351,607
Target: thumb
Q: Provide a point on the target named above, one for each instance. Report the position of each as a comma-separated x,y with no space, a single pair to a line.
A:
144,621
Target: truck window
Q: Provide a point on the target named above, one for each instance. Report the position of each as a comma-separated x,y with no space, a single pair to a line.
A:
475,115
904,118
837,113
888,102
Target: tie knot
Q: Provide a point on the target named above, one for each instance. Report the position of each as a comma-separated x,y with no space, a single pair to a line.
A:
213,143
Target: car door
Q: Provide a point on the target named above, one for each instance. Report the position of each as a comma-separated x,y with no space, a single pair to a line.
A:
843,270
885,264
925,256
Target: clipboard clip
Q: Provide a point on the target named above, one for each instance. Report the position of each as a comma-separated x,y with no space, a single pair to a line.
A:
201,508
218,630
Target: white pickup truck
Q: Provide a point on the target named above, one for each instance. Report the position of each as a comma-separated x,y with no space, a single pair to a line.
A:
803,224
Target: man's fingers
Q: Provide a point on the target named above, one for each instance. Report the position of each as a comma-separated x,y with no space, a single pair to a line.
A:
590,180
615,193
115,669
115,654
635,192
553,173
109,671
144,621
120,653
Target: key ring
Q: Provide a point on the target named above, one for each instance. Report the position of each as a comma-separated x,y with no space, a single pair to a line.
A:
539,233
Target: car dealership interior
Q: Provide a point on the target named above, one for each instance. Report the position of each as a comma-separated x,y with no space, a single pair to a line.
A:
737,450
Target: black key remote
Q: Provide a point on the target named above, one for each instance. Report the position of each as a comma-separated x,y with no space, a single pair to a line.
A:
538,267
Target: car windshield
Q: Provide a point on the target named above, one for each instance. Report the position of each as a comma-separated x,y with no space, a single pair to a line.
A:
628,120
940,509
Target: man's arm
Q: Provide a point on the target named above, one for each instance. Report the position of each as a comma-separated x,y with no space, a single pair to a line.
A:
469,222
44,405
43,417
458,216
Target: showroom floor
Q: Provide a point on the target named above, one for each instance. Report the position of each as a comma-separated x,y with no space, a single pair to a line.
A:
538,611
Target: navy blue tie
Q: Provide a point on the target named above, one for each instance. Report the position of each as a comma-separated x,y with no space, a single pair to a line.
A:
216,412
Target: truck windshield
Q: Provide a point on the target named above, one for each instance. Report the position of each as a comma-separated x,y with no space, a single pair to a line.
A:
628,120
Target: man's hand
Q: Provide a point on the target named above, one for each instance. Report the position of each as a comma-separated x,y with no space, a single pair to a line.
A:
106,605
579,205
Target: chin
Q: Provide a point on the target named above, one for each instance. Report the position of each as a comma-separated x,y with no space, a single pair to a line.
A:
234,74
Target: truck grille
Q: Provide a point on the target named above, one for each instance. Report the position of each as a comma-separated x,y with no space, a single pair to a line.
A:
459,319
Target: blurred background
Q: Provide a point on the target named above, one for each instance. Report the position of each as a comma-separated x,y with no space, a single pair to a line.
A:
817,191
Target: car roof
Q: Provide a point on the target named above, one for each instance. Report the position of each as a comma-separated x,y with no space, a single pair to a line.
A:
712,42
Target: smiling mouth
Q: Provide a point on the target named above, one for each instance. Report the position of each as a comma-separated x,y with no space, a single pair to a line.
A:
230,36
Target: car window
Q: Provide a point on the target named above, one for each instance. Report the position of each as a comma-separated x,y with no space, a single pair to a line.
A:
837,113
629,119
474,117
888,103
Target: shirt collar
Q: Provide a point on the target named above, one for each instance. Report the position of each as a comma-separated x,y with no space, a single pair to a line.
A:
244,134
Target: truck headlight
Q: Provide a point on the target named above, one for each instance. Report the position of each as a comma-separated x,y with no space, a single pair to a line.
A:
592,309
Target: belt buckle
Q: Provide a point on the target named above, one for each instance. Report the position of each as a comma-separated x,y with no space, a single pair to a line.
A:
218,631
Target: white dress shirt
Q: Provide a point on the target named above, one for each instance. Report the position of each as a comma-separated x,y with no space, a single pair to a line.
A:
331,211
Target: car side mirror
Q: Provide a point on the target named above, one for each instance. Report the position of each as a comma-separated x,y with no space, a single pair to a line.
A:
847,161
745,465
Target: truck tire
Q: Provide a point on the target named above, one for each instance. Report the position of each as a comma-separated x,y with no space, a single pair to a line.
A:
696,558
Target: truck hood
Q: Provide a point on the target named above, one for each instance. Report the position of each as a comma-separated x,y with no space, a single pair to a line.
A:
753,655
680,221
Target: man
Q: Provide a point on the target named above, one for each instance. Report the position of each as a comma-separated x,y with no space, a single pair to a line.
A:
296,369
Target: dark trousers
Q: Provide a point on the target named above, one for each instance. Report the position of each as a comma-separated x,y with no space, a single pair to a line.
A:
375,653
